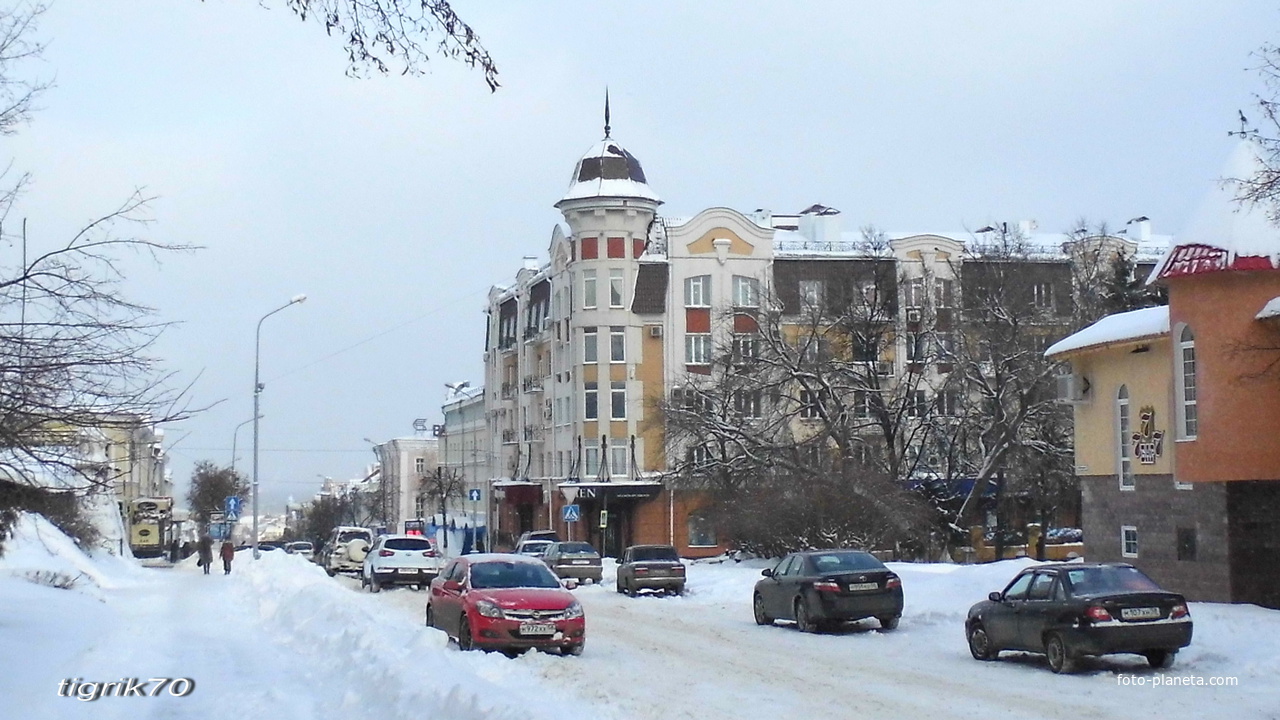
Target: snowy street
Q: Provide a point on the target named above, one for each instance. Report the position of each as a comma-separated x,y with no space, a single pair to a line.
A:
279,639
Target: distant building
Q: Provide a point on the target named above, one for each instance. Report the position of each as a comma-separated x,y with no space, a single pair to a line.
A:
403,463
1178,412
464,452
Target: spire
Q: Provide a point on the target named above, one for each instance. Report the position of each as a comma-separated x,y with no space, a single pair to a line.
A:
606,111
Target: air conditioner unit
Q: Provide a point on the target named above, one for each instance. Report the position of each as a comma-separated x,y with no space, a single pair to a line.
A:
884,369
1073,388
655,331
913,315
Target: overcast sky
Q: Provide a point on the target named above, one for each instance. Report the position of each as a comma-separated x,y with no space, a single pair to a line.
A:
394,203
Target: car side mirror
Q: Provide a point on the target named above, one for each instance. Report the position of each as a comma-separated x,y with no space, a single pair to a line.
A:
452,585
995,597
569,584
767,572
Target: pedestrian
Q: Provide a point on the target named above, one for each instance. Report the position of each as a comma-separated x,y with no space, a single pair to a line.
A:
205,548
173,551
227,552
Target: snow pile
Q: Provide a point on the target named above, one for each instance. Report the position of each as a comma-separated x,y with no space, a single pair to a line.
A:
1122,327
38,547
1270,310
407,669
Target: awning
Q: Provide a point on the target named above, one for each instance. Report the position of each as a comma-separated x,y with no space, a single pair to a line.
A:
595,490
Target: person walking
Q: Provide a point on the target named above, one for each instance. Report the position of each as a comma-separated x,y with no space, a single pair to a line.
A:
205,548
227,552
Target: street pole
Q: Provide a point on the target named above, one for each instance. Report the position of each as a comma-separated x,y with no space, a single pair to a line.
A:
257,391
234,437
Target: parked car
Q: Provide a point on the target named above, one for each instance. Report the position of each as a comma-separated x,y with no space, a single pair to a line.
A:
400,560
821,588
300,547
345,549
1070,610
533,548
548,535
577,560
505,602
650,567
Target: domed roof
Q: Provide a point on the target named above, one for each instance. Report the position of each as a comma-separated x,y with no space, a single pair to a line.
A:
607,170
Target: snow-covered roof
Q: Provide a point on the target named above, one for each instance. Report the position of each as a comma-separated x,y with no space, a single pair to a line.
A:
1046,246
1270,310
1224,233
1122,327
608,170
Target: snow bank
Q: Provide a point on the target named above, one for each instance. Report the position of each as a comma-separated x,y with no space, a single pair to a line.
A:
409,671
38,546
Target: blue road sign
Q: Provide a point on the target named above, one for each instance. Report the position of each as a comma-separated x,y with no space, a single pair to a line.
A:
232,507
571,513
473,494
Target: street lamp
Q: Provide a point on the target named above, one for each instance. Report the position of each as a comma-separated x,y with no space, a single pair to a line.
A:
234,437
257,390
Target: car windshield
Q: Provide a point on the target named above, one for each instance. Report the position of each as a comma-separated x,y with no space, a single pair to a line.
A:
642,554
576,548
1109,579
533,547
836,562
302,546
407,544
499,574
350,535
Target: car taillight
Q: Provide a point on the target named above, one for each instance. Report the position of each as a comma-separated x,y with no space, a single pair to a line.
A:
679,569
640,570
1097,613
428,553
893,582
386,553
1179,611
826,586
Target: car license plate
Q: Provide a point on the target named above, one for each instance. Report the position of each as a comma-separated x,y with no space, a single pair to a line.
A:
1147,613
407,571
581,562
538,629
856,587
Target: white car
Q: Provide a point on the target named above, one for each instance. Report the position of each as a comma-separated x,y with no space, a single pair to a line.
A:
345,549
533,548
400,560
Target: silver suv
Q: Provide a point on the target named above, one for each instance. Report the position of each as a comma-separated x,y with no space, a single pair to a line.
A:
345,549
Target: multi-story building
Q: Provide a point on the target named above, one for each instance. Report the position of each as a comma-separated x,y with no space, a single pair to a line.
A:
464,453
632,307
1177,411
403,463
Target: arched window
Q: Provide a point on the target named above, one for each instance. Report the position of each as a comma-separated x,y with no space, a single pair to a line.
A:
1124,433
1188,424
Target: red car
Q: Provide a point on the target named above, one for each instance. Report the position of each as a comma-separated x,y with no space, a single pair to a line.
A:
505,602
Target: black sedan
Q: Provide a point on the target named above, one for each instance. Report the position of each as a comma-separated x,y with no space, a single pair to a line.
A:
820,588
1070,610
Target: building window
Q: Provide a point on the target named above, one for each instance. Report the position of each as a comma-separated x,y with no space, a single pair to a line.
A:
1124,434
949,403
914,292
746,403
588,289
916,348
591,460
697,349
1188,423
944,292
697,291
1187,544
746,292
808,405
617,344
811,294
1129,541
591,407
615,288
861,404
1042,295
701,532
917,404
618,401
618,458
420,465
590,347
746,347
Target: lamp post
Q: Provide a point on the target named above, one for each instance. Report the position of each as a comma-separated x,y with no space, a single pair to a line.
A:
234,437
257,390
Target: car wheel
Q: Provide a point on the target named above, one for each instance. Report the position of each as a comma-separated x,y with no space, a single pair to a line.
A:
889,622
374,585
1159,659
980,645
1060,660
331,571
364,581
757,607
678,590
619,586
431,616
631,590
573,649
804,620
465,641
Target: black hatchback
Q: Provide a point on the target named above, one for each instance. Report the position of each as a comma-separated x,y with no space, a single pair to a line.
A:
1070,610
821,588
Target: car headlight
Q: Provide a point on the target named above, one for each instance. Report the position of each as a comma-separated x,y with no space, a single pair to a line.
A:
488,609
574,611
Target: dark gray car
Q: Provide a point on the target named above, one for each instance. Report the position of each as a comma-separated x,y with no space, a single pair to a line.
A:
577,560
821,588
650,567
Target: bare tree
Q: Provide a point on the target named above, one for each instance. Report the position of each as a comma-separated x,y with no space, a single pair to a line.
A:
18,95
407,33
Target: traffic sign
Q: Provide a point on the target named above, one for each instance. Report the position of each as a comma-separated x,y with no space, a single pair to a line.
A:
473,494
232,507
571,513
